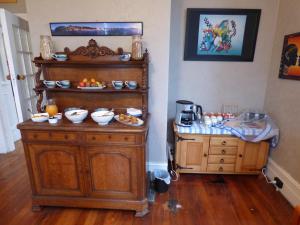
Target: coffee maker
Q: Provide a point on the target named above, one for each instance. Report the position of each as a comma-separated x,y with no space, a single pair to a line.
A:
187,112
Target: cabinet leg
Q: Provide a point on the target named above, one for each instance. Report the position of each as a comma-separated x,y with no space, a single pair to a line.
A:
142,213
36,208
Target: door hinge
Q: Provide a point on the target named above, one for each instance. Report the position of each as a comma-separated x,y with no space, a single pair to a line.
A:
184,139
184,168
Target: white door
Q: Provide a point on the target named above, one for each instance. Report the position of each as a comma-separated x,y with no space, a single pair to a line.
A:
8,114
19,55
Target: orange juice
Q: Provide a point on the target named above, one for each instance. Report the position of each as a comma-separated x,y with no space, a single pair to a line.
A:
51,108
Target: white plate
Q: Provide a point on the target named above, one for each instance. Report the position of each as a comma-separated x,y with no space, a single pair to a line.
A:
92,88
140,122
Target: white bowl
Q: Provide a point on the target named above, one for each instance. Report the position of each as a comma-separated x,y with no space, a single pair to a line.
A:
102,117
40,117
76,115
53,120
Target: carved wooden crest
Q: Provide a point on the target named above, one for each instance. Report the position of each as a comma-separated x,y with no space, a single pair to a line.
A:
93,50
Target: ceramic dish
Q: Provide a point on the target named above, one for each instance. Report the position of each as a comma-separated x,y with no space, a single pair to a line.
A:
102,117
134,112
127,121
77,115
53,120
92,88
40,117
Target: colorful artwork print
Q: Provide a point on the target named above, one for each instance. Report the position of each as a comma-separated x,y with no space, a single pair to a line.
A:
221,34
290,65
97,29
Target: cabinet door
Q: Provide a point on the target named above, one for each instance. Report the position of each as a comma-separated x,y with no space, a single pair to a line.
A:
115,172
251,156
56,169
192,152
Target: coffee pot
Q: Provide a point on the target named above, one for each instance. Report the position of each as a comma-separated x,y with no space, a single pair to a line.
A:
187,112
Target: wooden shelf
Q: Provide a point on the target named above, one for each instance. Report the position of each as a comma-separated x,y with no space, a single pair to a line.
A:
116,63
105,90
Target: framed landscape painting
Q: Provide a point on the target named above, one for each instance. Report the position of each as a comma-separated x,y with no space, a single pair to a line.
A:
221,34
96,28
289,66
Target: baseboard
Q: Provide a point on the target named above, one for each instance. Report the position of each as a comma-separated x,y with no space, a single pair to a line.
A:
153,165
291,188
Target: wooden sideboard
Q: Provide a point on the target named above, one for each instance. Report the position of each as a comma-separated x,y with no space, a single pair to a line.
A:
222,154
87,165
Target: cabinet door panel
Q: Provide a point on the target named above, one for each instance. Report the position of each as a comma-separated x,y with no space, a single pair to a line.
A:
113,171
193,154
251,156
56,169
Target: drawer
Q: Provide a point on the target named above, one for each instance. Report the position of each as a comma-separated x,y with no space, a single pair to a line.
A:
221,159
223,141
51,136
111,138
222,150
219,168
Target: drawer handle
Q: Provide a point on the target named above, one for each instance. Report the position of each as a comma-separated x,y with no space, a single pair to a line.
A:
66,137
221,169
224,142
126,138
35,136
223,151
109,137
94,138
221,160
240,155
205,155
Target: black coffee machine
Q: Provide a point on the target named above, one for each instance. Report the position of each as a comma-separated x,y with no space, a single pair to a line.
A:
187,112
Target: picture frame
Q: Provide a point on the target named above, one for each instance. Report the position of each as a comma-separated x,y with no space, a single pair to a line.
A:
221,34
290,57
96,28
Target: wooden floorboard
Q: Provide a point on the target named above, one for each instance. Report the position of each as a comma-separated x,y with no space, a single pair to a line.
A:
240,200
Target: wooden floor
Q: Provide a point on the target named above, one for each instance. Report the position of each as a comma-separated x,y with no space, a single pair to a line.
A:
241,200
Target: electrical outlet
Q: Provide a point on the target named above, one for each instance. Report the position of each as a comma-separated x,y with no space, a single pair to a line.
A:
279,183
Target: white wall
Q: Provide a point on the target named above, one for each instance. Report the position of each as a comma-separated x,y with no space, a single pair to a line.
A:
212,84
282,98
156,17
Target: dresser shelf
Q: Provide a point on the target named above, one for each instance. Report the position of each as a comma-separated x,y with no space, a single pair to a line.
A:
78,90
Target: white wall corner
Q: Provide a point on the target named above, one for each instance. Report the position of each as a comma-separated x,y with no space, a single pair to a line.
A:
150,166
291,188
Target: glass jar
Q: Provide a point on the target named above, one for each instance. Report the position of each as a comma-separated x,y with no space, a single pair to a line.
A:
51,108
46,47
137,47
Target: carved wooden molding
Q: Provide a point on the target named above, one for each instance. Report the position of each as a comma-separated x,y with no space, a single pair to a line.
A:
93,50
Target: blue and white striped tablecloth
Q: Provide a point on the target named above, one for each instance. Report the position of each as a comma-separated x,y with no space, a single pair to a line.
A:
200,128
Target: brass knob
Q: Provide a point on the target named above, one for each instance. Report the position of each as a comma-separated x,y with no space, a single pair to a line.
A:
8,77
224,142
223,151
21,77
221,169
221,160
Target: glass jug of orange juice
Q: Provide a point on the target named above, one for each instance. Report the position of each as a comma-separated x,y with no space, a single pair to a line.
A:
51,108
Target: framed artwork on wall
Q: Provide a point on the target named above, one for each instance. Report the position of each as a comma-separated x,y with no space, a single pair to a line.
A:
221,34
289,66
96,28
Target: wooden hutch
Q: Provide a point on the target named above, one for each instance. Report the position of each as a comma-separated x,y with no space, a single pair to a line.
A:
87,165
